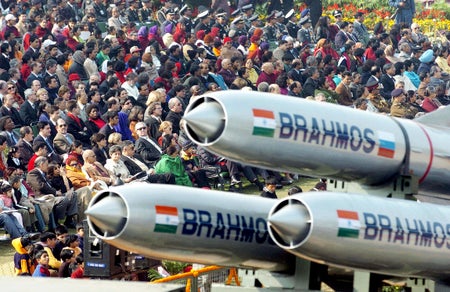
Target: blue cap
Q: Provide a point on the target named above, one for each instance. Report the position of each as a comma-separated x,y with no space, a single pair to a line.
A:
304,13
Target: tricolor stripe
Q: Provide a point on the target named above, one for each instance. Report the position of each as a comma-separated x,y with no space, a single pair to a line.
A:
263,123
387,144
166,220
348,224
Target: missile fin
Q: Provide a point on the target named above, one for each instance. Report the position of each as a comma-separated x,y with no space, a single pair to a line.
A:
440,117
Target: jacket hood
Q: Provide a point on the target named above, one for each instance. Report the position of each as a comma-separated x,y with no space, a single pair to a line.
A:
18,246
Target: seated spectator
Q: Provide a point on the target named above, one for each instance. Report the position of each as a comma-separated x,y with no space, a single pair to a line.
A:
75,174
76,152
6,128
94,122
99,143
136,165
22,200
42,269
192,166
63,141
48,241
94,169
39,150
11,225
75,125
165,129
171,163
6,204
114,139
146,146
269,188
116,166
63,206
112,119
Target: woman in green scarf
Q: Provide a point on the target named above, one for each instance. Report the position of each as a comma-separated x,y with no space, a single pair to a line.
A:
171,162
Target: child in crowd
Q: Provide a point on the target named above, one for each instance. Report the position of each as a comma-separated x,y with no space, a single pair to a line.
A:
79,272
67,258
80,234
42,267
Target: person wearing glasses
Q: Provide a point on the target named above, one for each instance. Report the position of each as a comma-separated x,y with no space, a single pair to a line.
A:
8,108
147,147
63,141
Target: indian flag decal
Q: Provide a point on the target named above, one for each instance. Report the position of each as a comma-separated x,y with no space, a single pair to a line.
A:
387,144
166,219
263,123
348,223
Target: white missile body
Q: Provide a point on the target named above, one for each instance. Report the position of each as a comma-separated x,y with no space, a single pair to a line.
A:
187,224
320,139
387,236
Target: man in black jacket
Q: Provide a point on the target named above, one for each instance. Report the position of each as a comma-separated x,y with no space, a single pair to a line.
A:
135,165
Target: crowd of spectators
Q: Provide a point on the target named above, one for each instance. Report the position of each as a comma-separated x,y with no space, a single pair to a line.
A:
92,94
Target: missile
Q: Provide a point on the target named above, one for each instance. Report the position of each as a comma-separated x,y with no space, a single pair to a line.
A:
187,224
387,236
320,139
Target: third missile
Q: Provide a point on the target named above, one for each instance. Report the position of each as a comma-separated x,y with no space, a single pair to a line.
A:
387,236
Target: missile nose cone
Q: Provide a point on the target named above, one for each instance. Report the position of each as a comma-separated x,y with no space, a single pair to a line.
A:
205,121
291,224
109,214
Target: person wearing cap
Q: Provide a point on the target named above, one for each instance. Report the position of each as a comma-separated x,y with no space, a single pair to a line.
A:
251,24
169,22
23,262
270,29
161,13
304,34
405,11
291,26
221,24
375,102
398,108
146,12
281,27
333,28
359,29
204,22
186,18
10,22
132,12
238,28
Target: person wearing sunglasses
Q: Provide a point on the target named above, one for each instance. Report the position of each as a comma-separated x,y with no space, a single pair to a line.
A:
146,146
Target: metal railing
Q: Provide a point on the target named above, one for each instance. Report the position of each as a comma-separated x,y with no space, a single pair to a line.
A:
192,276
